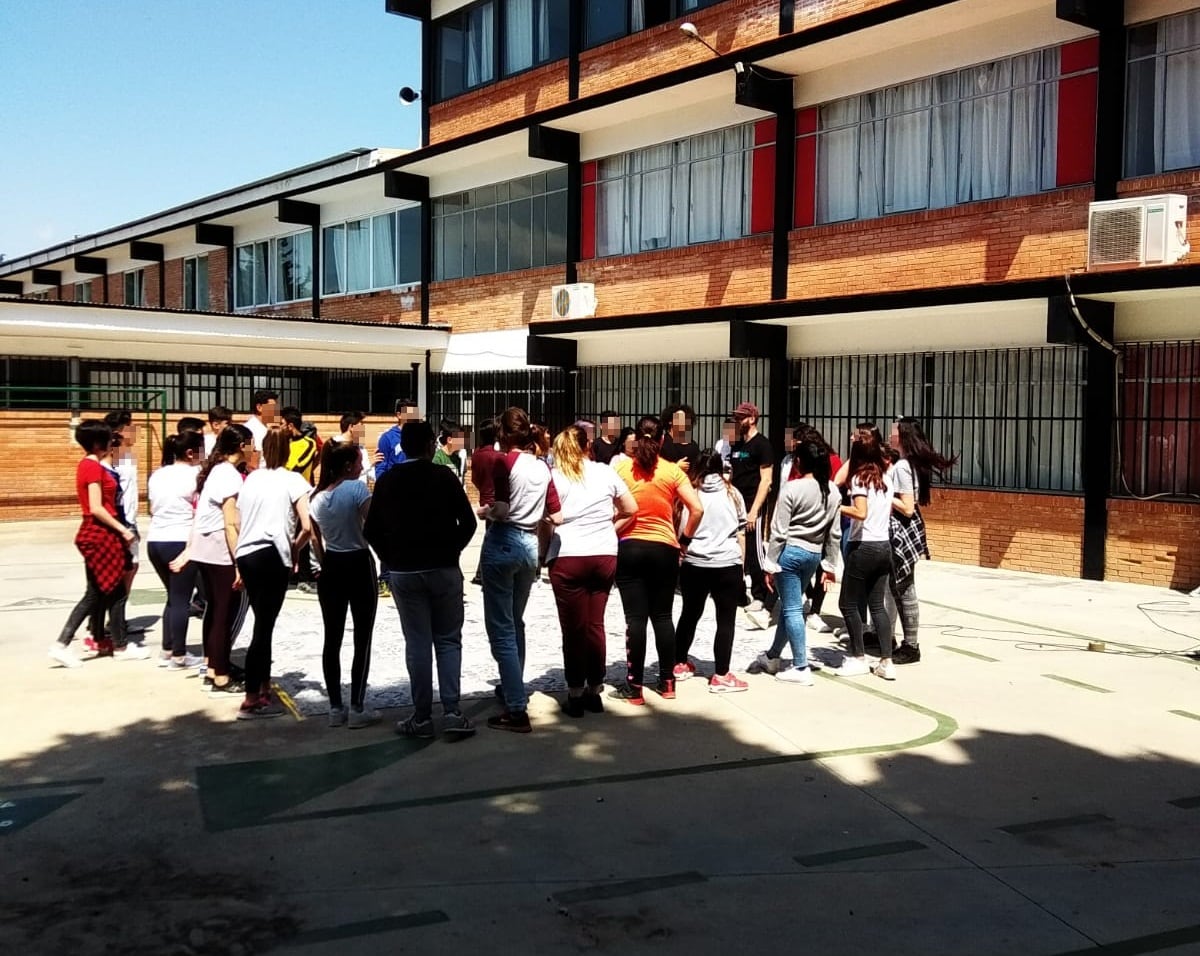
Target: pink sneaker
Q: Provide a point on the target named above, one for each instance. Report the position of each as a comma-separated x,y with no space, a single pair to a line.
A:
684,671
726,684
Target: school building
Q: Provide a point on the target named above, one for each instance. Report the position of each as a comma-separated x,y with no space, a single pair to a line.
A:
837,209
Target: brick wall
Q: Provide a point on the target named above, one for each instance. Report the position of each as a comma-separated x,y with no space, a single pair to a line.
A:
218,286
1018,532
1153,542
812,13
1186,182
47,437
661,49
1005,239
493,303
173,293
719,273
387,307
537,89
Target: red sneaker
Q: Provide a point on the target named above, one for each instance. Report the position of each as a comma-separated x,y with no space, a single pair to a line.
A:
726,684
102,648
666,688
685,670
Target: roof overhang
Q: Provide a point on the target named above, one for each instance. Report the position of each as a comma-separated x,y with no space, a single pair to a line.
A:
99,332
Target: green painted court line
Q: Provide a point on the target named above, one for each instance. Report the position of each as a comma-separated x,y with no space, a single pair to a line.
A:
53,784
959,650
860,853
1078,683
944,727
1184,713
1037,826
1155,942
368,927
611,891
1185,803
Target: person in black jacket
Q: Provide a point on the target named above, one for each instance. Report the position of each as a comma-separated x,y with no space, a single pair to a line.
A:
420,521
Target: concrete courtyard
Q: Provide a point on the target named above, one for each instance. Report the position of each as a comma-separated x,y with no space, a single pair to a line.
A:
1015,793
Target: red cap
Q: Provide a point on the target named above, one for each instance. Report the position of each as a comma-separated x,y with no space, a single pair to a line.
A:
746,410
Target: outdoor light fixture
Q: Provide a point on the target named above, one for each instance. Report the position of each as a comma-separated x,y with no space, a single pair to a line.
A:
689,29
408,95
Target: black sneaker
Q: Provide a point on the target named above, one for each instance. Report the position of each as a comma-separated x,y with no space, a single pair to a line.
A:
574,706
593,702
260,709
906,654
516,721
632,693
231,686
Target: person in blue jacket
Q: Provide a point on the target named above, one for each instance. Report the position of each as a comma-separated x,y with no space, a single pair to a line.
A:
388,451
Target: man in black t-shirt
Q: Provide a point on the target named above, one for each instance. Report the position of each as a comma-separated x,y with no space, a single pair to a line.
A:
752,463
677,444
605,445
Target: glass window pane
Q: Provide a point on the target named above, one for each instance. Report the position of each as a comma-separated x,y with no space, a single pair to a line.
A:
519,35
451,246
538,230
1143,40
520,241
189,283
468,243
485,241
556,228
408,238
302,266
358,255
202,301
604,20
333,260
383,251
1181,108
481,45
450,56
502,238
557,178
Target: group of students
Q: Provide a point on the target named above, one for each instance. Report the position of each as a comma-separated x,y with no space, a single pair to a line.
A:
233,512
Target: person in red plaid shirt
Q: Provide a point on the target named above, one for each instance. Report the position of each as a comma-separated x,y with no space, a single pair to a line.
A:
102,540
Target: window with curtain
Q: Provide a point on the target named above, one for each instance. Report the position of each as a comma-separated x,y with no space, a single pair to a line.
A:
535,32
606,20
1162,116
982,132
465,49
293,267
135,287
675,194
195,282
505,227
251,271
83,292
375,252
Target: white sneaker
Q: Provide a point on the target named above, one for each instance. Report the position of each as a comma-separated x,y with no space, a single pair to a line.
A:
64,655
885,669
825,628
852,667
768,665
363,718
754,606
814,623
132,652
337,716
796,675
759,620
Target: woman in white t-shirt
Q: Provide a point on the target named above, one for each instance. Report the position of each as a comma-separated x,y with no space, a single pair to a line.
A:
273,526
211,546
869,555
583,563
337,512
172,493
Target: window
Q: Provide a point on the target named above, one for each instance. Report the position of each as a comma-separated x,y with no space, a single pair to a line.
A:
293,267
83,292
520,224
606,20
252,286
195,283
675,194
1162,118
1159,419
473,46
377,252
135,287
983,132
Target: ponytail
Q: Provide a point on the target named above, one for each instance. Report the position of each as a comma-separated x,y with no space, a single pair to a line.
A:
647,441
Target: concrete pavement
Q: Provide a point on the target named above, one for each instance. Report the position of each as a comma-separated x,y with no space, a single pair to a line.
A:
1013,793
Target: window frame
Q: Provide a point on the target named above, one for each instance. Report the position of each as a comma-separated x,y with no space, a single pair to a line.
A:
268,263
1159,118
135,296
83,291
677,11
415,212
194,305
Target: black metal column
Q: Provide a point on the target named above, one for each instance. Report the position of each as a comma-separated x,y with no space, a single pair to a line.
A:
562,146
401,185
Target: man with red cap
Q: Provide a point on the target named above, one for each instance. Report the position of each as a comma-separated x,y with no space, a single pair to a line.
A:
752,463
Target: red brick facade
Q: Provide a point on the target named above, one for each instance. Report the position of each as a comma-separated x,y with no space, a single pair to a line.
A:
493,303
1153,542
521,95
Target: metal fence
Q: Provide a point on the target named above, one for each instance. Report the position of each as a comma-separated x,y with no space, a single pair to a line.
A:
1013,416
1158,420
469,398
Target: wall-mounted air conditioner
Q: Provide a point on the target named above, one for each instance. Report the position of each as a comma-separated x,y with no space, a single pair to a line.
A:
1141,231
574,301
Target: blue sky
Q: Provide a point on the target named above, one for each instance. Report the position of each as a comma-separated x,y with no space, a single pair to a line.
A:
117,109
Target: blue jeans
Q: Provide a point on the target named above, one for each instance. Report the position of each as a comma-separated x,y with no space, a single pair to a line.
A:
430,604
797,567
508,565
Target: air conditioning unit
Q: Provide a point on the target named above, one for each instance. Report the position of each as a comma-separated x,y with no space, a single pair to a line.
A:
574,301
1141,231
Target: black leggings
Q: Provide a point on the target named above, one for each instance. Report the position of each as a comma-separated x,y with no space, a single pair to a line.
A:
646,576
95,604
266,579
696,584
223,614
347,581
179,593
868,567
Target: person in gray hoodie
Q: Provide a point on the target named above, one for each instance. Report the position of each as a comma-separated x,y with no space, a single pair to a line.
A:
805,539
712,566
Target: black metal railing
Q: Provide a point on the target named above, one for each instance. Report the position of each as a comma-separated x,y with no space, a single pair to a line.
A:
1158,420
469,398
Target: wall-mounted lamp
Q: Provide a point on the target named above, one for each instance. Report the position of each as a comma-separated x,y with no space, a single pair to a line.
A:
689,29
408,95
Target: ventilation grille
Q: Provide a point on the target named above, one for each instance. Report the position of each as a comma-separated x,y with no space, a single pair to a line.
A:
1115,236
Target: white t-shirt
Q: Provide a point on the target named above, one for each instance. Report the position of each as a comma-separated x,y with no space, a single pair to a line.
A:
903,479
587,513
208,529
336,513
257,429
210,442
879,512
172,493
125,465
266,505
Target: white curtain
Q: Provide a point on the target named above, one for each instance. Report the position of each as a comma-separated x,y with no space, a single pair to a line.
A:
333,260
943,142
837,162
654,203
358,255
735,183
906,166
637,14
1181,94
480,44
705,187
983,133
383,251
870,157
1051,70
518,30
1026,137
612,227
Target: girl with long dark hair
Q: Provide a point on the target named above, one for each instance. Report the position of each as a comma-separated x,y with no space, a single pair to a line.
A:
712,566
337,513
805,538
869,555
648,556
911,478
